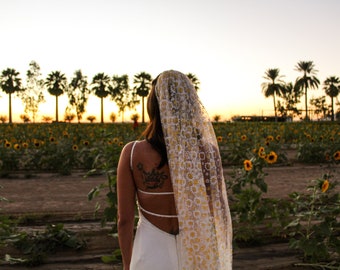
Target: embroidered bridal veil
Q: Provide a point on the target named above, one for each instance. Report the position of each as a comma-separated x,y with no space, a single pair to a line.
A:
197,175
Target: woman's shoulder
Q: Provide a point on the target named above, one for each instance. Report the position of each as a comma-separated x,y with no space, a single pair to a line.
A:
138,150
141,149
136,145
128,150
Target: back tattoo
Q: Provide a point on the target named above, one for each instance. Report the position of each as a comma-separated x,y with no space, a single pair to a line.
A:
152,179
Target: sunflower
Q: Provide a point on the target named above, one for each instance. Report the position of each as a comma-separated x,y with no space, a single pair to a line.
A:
86,143
219,138
336,155
325,186
270,138
37,143
248,165
278,138
16,146
52,139
7,144
271,157
25,145
261,152
75,147
243,137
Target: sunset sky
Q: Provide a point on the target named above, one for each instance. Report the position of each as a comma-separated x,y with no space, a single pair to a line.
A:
227,44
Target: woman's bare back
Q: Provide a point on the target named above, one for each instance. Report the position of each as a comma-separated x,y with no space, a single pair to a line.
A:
154,187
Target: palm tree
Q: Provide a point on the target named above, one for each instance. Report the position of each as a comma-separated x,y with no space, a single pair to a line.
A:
78,93
307,80
101,88
56,84
274,87
195,82
10,83
331,87
143,83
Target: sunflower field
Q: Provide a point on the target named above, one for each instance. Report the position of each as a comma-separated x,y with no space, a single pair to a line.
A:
64,147
309,219
60,147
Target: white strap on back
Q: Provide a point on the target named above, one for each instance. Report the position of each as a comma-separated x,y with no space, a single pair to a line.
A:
156,193
155,214
132,149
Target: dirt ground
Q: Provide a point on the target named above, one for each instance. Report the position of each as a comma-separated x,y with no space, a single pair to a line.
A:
52,197
53,194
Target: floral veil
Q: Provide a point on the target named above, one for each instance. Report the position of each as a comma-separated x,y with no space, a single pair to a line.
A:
197,175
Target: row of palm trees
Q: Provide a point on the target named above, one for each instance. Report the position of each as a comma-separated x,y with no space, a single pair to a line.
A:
118,88
291,92
78,89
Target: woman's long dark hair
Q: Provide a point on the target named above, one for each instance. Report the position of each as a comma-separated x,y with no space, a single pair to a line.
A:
154,132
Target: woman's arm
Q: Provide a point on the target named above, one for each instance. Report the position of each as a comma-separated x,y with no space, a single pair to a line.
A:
126,205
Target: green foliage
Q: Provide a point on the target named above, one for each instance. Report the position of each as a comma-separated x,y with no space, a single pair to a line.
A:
60,156
64,147
61,147
116,256
315,228
6,226
8,231
318,143
312,153
110,211
35,247
1,197
107,165
106,162
249,208
9,158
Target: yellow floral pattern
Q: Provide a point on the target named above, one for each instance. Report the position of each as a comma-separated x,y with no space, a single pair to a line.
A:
197,175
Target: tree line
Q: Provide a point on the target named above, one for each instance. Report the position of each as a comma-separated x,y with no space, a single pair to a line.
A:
286,95
78,90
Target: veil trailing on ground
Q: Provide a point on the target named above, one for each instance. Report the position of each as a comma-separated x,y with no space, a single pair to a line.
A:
196,171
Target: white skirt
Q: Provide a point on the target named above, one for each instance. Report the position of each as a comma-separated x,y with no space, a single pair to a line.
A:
154,249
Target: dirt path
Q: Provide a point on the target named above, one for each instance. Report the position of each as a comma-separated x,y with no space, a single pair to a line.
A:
51,194
56,194
53,197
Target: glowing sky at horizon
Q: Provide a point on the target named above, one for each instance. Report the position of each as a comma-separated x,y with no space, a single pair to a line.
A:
227,44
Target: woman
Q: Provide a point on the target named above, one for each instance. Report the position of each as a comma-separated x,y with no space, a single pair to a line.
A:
177,176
